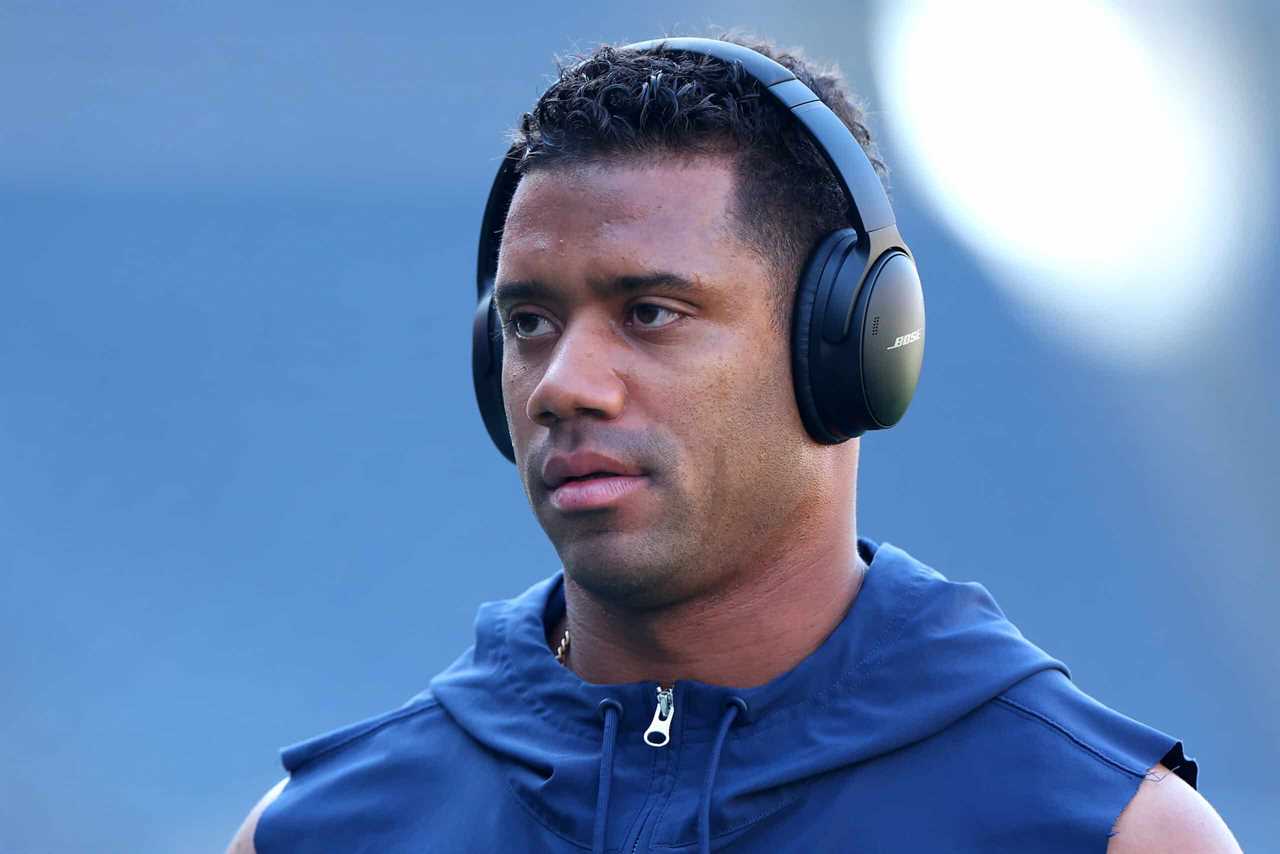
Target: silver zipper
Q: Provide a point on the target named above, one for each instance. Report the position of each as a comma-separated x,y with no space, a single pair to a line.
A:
659,731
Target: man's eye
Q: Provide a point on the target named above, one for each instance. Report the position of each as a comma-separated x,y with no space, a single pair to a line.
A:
650,316
526,325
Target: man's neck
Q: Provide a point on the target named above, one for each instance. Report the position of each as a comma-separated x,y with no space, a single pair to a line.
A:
759,625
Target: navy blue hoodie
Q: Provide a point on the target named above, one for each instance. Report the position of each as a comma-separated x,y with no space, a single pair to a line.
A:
925,722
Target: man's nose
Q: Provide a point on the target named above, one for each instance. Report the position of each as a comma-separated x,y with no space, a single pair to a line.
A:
580,378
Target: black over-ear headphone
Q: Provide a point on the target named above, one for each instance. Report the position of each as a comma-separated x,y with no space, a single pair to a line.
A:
857,333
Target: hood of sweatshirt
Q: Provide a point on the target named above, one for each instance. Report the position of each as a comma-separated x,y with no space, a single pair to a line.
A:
914,654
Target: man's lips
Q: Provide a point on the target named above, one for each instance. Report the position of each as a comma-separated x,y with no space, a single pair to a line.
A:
590,480
594,493
584,464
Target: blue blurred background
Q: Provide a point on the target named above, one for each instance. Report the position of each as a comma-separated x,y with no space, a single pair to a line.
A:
245,496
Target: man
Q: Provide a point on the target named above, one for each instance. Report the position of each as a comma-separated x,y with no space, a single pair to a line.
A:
723,663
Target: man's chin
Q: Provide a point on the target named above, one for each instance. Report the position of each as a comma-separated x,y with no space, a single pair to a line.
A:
622,569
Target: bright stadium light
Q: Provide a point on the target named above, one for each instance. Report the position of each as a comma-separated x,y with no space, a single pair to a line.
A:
1092,175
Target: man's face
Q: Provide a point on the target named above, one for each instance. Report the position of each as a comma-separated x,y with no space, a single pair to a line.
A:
637,326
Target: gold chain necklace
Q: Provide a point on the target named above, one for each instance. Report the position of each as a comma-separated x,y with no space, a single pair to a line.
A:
563,649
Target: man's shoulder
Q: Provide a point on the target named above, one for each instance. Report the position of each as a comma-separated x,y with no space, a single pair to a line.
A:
421,712
399,759
1133,772
1167,814
243,841
1084,726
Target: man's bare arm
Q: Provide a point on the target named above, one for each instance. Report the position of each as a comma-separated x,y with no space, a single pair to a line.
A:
1169,816
243,842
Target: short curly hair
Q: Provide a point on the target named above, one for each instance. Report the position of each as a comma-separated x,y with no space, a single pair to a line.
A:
615,103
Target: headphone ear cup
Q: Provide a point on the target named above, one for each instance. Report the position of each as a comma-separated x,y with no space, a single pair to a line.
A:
486,374
857,338
888,332
813,291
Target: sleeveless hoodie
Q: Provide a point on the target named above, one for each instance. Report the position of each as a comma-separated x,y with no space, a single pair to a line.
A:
924,722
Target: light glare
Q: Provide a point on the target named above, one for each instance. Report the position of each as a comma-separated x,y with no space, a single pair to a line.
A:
1084,172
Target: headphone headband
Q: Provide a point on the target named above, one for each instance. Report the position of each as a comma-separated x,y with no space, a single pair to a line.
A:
869,206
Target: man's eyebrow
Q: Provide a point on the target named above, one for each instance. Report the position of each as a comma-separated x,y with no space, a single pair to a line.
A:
645,281
519,290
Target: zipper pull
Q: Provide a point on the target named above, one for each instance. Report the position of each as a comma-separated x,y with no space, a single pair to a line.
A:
659,731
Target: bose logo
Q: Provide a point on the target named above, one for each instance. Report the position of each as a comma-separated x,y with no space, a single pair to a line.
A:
904,340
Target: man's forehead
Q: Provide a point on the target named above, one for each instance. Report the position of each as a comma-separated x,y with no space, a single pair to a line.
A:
626,226
603,198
